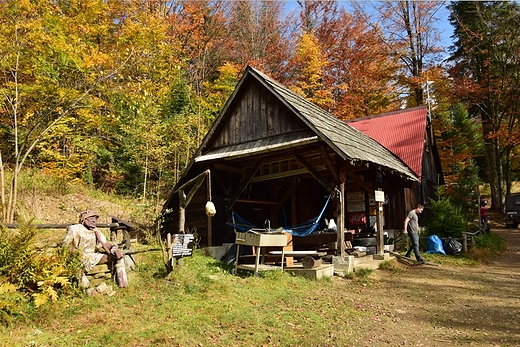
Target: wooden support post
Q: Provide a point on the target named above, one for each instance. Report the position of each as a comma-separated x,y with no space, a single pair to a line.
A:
126,238
341,222
113,232
182,220
289,261
169,246
209,218
182,212
379,223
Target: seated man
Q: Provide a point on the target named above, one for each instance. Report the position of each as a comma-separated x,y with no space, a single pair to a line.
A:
86,238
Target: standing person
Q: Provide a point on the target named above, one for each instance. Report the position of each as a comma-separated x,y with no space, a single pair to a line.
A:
483,213
86,238
411,227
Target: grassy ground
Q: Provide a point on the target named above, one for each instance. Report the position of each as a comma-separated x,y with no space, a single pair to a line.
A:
462,302
201,304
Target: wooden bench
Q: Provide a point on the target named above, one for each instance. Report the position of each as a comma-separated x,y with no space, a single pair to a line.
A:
315,241
311,259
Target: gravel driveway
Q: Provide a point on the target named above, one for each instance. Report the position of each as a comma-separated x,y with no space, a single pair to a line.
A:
444,306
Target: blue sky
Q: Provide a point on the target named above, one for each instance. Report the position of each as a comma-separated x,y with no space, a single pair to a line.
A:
445,28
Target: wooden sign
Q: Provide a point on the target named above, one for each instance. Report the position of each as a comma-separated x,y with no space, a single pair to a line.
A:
357,218
356,207
380,196
182,245
355,196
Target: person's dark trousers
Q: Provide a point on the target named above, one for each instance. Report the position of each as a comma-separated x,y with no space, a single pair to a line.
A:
414,238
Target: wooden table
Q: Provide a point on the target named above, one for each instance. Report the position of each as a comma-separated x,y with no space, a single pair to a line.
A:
259,239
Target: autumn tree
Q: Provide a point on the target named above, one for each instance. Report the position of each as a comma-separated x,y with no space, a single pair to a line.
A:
143,128
308,69
51,67
485,68
200,29
354,71
410,30
361,70
63,66
258,35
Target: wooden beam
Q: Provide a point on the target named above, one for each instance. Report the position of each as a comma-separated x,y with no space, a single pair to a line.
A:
413,261
60,226
191,193
360,182
329,186
244,183
229,168
287,194
194,179
329,162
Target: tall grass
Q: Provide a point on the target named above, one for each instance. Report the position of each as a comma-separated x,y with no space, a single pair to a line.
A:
40,194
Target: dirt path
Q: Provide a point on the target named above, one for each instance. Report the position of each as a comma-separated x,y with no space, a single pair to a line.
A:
447,305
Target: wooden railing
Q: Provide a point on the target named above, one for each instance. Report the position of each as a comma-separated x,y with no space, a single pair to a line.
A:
116,225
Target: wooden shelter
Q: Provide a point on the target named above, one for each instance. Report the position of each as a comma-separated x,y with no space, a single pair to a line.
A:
275,159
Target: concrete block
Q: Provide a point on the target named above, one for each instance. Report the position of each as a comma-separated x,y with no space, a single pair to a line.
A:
384,256
325,270
218,252
343,265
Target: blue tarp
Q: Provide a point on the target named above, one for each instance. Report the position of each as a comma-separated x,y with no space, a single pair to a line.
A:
434,245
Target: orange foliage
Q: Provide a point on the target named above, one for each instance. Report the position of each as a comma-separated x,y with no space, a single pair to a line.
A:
356,68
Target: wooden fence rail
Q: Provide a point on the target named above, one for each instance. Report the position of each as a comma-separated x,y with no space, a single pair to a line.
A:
116,225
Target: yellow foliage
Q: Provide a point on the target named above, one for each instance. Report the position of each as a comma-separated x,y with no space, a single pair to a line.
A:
40,299
6,287
309,65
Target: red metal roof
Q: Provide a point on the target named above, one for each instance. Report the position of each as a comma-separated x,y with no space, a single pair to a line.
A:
401,132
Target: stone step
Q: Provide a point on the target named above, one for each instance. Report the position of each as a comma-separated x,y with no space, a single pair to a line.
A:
370,261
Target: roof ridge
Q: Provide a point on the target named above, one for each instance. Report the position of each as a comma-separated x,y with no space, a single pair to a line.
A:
386,114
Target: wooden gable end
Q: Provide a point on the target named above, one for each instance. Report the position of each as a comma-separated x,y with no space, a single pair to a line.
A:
256,115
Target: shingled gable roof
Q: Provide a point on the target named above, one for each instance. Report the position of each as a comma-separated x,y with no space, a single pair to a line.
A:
402,132
347,142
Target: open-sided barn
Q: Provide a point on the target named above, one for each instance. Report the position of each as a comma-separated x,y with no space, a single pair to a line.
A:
274,158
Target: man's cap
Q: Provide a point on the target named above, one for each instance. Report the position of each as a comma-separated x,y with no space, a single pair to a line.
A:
89,213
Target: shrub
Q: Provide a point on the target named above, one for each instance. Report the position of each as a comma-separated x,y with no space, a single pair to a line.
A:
486,247
447,220
491,242
43,273
10,301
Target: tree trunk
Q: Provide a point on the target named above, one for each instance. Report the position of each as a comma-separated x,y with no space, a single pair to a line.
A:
2,190
145,177
507,170
495,172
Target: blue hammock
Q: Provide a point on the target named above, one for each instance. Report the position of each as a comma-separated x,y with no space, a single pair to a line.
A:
303,229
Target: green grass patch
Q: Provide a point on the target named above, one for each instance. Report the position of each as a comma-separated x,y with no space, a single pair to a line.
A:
452,260
390,265
201,303
487,246
364,274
